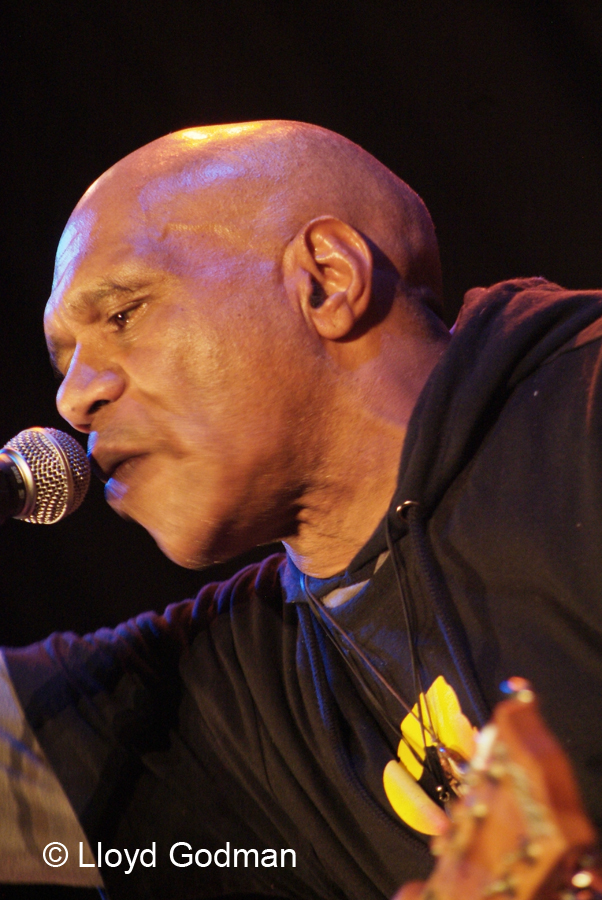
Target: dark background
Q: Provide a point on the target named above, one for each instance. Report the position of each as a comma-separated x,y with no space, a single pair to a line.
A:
490,110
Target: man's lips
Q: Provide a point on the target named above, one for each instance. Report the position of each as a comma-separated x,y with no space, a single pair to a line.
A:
105,465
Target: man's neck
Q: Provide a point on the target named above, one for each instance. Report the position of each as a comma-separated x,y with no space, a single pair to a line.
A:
346,505
351,487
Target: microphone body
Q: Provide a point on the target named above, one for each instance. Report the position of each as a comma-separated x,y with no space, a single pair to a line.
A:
44,476
13,490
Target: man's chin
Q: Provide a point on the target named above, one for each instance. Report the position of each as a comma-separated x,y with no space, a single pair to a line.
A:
189,542
187,554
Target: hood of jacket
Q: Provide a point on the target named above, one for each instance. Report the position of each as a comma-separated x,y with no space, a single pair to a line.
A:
503,333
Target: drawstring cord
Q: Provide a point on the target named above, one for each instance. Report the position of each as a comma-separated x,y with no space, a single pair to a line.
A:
430,580
410,631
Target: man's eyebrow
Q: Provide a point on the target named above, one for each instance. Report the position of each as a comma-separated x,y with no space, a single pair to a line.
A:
87,300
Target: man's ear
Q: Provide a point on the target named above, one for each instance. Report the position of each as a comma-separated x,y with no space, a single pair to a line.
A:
328,269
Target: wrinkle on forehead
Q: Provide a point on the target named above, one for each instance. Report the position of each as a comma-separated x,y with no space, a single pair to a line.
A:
226,203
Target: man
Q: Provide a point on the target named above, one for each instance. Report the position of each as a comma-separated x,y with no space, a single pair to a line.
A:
245,318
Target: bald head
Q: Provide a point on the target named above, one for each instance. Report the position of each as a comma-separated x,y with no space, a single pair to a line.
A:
256,184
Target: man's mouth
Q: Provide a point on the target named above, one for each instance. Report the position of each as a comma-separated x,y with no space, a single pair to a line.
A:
110,465
117,476
96,469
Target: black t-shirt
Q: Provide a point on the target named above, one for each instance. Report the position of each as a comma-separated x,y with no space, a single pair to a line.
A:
245,719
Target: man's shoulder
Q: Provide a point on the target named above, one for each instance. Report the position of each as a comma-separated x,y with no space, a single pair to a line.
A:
149,645
258,585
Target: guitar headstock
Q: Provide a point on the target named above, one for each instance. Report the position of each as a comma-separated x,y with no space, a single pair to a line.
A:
519,829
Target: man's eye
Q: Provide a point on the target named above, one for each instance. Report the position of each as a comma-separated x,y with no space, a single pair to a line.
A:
122,318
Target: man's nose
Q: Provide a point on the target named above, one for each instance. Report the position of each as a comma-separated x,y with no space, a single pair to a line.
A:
85,389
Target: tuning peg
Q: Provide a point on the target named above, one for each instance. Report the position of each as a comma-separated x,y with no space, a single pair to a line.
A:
519,689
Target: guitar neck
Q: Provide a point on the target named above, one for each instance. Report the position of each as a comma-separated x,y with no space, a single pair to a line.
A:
520,829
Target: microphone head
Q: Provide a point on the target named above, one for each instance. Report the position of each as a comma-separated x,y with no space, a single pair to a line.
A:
60,473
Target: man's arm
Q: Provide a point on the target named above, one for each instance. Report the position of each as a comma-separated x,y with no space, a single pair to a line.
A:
35,810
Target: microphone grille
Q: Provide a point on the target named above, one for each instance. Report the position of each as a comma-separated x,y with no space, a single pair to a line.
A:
60,472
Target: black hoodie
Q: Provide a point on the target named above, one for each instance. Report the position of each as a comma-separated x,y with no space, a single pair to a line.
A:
265,715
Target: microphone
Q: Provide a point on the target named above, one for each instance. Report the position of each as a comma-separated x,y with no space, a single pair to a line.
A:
44,476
